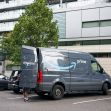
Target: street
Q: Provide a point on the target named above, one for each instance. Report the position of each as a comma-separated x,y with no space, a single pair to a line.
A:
76,102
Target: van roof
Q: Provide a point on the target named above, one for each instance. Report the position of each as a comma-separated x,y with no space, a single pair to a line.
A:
53,49
70,52
62,50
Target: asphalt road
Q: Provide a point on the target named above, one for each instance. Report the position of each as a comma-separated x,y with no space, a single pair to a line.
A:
76,102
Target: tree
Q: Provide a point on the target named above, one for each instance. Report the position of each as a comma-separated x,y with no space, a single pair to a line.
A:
35,27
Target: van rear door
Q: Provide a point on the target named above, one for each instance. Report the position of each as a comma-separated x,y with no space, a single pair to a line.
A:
29,67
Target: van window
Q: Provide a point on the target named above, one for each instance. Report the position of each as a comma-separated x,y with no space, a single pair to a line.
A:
95,66
53,63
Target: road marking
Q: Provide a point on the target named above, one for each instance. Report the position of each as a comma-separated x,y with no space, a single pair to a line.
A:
15,98
21,97
91,101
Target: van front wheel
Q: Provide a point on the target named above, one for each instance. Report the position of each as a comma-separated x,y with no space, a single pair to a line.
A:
105,89
57,92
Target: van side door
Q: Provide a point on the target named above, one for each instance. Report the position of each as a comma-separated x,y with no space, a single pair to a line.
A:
55,69
97,76
80,76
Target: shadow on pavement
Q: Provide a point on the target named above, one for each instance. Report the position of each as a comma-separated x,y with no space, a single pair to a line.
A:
66,96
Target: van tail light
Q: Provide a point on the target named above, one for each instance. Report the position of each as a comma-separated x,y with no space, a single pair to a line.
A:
39,77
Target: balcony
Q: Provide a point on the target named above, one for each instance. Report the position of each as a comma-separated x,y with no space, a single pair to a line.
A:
8,26
17,3
10,15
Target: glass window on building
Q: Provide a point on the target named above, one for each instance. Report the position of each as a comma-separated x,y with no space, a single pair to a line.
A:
109,55
69,1
61,22
90,24
91,42
50,2
108,41
85,42
102,55
102,23
1,0
70,43
94,54
105,23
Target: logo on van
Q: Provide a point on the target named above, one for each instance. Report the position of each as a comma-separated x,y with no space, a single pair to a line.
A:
28,63
72,66
80,61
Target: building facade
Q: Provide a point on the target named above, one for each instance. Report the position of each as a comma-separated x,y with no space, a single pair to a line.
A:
88,29
84,25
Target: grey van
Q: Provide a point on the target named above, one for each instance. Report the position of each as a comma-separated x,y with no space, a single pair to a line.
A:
56,72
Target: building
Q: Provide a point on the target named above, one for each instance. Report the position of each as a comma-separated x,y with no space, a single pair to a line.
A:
10,11
88,29
84,25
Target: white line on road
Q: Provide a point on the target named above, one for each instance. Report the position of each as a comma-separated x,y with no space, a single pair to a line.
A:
91,101
15,98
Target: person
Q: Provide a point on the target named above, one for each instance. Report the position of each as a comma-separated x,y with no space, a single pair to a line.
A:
28,75
25,94
24,83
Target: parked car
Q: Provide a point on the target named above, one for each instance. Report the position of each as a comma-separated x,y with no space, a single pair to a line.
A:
14,81
3,82
56,72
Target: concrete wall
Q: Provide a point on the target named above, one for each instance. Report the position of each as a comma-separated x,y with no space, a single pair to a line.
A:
105,14
90,15
89,48
106,64
73,24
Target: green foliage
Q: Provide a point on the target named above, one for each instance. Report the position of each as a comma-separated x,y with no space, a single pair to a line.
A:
35,27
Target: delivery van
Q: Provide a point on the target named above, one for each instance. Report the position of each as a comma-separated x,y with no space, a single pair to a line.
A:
56,72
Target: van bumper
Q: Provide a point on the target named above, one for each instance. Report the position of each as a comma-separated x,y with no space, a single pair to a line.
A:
43,88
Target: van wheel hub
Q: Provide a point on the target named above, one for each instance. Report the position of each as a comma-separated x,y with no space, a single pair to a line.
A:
58,92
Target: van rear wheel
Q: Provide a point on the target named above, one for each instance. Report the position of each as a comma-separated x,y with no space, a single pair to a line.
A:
105,89
57,92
